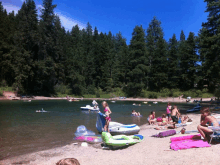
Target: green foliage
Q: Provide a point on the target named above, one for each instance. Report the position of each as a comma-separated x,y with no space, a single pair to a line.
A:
3,83
207,95
5,88
209,38
118,92
138,62
217,92
62,89
156,47
89,96
40,57
196,93
152,95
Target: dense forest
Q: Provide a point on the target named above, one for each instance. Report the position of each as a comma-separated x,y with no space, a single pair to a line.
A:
38,56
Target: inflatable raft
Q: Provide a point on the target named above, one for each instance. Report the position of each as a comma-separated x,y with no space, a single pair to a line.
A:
89,108
195,109
82,131
82,134
116,128
120,140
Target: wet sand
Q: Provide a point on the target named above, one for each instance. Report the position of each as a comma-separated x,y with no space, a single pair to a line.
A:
150,151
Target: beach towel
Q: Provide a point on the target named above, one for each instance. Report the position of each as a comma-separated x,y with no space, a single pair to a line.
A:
165,133
186,142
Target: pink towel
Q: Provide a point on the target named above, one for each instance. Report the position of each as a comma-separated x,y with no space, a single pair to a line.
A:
186,142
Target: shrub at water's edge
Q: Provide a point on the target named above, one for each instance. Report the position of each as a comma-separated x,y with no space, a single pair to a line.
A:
8,89
64,90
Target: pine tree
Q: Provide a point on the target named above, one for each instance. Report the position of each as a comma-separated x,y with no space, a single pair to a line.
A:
138,62
88,56
46,75
209,43
173,75
121,61
75,66
7,31
26,48
156,46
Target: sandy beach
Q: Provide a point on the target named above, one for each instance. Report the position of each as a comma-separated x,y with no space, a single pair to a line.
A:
150,151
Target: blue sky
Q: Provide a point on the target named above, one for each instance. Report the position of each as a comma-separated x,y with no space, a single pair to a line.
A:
123,16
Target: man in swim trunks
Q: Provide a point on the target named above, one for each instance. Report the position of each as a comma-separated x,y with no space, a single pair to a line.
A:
175,114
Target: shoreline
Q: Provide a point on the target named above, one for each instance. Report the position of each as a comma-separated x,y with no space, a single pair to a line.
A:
11,96
145,152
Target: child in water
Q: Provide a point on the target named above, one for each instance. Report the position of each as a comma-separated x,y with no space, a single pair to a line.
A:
134,113
107,113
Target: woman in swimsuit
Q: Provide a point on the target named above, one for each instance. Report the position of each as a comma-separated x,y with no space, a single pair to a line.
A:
205,119
151,118
107,113
164,121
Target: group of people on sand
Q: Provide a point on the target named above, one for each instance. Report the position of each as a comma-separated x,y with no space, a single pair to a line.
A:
172,117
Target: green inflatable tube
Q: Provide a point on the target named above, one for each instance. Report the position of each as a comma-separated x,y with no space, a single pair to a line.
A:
120,140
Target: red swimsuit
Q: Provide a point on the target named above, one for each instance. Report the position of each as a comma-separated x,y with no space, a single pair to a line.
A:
108,118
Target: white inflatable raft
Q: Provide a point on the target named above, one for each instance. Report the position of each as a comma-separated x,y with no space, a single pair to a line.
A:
116,128
90,108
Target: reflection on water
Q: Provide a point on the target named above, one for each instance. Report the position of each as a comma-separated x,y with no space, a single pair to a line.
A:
136,120
23,130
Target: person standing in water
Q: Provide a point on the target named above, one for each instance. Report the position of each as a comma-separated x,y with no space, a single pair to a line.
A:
107,115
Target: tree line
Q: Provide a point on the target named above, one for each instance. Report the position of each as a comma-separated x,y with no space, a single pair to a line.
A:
39,56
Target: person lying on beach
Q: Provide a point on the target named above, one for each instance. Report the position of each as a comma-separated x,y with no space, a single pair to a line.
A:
184,119
164,121
134,113
205,119
152,118
175,115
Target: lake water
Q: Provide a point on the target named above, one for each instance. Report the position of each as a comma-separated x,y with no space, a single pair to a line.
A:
22,130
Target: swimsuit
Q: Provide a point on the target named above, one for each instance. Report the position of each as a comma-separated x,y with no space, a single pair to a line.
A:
175,119
153,116
168,110
108,118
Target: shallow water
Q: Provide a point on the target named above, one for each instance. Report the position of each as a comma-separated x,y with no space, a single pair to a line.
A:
22,130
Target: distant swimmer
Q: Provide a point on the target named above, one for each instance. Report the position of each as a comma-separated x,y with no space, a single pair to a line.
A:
134,113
